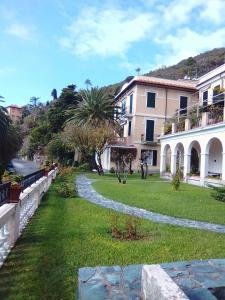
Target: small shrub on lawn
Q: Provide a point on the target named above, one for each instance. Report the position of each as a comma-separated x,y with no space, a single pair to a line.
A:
115,231
176,180
218,193
127,231
131,227
66,190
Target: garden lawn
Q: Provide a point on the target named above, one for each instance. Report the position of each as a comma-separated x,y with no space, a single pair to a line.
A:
157,195
66,234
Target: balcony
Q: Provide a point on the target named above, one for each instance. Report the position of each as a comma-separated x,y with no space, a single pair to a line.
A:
196,116
119,141
155,140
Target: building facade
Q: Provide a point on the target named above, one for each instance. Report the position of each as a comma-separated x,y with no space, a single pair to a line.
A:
145,104
199,149
15,112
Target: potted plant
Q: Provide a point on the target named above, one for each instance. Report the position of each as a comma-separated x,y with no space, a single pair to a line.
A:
15,189
47,167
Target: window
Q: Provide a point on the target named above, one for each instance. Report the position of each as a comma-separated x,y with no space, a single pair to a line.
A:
131,104
205,98
183,105
150,156
151,99
129,128
123,107
149,130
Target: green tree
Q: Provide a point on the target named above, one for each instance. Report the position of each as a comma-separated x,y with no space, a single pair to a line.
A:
56,150
95,109
11,141
34,100
61,109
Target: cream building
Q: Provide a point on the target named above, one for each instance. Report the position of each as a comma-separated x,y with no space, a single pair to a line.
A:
199,150
146,103
15,112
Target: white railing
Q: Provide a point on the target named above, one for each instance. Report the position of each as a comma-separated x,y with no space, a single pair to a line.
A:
15,216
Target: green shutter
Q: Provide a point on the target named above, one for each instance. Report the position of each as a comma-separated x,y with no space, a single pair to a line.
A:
151,100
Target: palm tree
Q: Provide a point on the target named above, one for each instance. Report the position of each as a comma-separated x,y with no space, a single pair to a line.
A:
88,83
96,108
138,71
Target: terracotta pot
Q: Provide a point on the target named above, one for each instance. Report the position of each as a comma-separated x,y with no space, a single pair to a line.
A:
14,193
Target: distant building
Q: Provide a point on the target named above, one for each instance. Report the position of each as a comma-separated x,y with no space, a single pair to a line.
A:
146,103
15,112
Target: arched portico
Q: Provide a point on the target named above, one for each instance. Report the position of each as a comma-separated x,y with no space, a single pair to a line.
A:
212,159
165,165
194,158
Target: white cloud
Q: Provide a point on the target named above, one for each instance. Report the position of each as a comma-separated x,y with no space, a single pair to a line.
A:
181,28
106,32
20,31
213,11
186,43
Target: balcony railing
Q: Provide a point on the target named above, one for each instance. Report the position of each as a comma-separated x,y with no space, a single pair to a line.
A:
4,192
196,116
29,179
123,141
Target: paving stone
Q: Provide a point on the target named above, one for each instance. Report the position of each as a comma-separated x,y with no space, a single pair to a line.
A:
86,191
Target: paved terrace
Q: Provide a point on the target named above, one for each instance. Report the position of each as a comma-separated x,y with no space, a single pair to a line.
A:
199,280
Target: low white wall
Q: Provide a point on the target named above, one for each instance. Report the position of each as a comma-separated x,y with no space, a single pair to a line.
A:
15,216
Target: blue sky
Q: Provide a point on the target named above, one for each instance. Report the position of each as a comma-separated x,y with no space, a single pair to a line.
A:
52,43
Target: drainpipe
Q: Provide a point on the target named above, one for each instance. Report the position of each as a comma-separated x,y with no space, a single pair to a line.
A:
166,104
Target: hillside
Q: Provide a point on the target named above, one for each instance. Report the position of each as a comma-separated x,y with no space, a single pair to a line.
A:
192,67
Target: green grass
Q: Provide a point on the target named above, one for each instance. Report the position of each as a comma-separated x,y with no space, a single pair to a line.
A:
66,234
157,195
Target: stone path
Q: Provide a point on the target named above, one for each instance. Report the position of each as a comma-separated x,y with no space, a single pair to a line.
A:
85,190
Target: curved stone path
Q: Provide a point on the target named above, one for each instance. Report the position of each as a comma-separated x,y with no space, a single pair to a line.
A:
85,190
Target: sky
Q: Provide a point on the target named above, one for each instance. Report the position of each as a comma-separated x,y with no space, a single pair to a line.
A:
53,43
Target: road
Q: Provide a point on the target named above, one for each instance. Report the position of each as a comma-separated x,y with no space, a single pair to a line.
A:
24,167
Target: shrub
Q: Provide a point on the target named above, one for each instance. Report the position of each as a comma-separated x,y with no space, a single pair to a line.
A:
64,172
128,231
112,171
115,231
176,180
131,228
218,193
66,190
85,167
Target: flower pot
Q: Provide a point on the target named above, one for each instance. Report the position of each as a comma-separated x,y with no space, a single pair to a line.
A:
46,172
14,193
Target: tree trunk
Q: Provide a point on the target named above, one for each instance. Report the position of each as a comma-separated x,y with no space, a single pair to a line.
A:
142,171
100,168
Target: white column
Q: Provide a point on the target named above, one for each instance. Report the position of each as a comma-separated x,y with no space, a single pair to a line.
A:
162,163
173,167
204,167
223,166
187,162
14,225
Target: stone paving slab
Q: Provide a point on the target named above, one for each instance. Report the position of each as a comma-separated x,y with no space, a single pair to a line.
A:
199,280
85,190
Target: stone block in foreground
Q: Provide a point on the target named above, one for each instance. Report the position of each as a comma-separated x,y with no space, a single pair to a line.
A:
157,284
